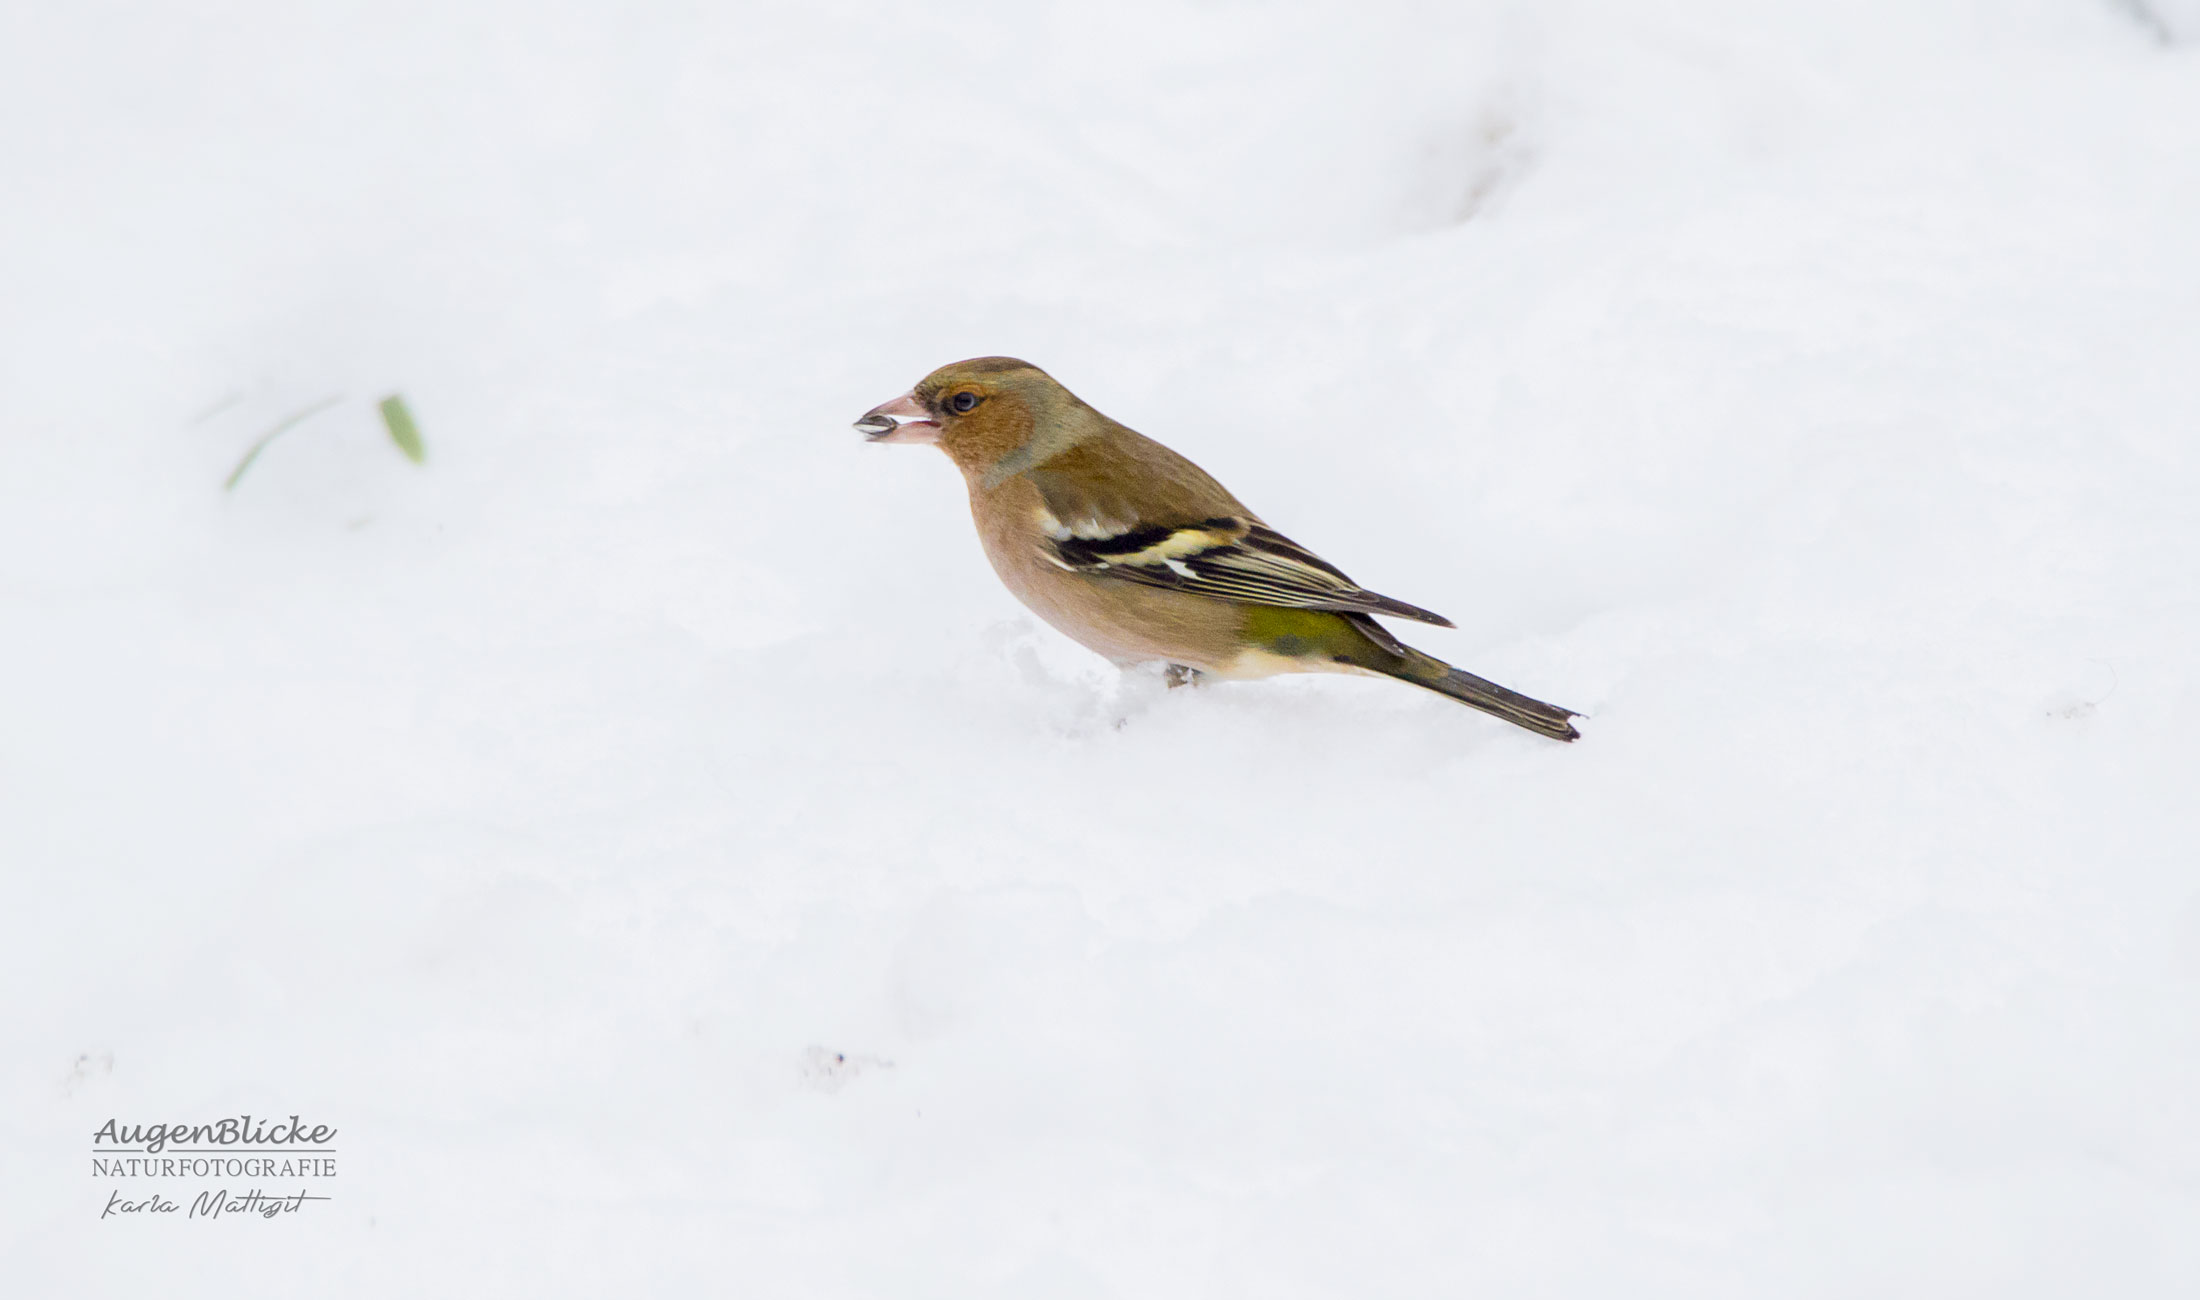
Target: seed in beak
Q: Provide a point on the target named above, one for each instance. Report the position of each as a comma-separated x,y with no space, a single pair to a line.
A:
904,419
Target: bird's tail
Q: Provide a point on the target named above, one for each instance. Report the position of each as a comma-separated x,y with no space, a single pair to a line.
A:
1475,692
1356,640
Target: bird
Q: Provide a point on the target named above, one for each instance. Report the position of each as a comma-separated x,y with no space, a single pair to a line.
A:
1136,553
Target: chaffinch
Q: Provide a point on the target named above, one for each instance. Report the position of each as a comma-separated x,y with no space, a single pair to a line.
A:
1135,552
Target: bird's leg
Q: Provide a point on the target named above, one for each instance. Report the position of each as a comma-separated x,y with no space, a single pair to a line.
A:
1145,681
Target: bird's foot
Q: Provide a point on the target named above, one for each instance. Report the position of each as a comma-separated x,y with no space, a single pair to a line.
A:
1143,684
1176,675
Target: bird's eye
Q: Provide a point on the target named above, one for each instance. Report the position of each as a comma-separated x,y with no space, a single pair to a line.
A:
963,403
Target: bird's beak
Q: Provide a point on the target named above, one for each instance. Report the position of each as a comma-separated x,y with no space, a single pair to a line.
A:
901,420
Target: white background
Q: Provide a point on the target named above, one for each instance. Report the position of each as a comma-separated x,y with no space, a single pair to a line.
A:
1805,392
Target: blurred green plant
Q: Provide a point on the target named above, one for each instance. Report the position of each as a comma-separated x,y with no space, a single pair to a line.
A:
396,417
283,426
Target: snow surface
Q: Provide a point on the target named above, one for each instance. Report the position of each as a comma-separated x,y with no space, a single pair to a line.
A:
653,837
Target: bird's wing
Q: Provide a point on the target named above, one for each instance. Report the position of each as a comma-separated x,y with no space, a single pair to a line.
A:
1229,557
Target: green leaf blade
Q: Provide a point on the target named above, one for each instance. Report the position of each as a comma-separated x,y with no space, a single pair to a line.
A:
397,418
288,423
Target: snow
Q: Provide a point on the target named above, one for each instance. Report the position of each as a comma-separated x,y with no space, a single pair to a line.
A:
656,841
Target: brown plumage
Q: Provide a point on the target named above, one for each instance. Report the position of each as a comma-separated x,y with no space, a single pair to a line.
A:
1135,552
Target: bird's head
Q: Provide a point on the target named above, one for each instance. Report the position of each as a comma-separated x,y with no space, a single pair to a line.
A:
985,413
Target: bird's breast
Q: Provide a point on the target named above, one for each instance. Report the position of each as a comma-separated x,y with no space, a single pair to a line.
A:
1124,621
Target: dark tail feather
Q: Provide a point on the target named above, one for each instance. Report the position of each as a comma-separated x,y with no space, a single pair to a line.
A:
1475,692
1397,608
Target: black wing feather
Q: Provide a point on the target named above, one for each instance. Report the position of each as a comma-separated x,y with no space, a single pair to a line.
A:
1229,558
